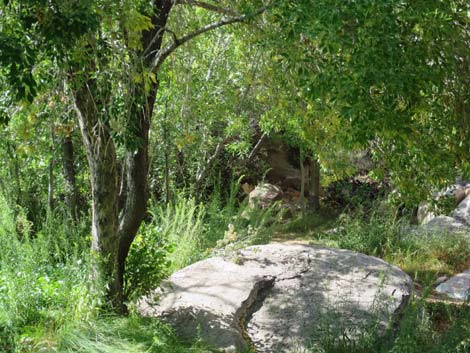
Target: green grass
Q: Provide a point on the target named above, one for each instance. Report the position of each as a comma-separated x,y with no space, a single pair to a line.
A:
44,280
424,327
124,335
306,226
48,305
380,234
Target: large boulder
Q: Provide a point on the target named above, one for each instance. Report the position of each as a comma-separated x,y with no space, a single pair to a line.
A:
264,195
279,297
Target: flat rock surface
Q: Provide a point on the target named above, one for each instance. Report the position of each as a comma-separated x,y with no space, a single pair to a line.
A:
279,297
457,287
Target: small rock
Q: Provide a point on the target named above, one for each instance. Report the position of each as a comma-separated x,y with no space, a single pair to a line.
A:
440,280
458,287
462,213
461,194
264,195
424,215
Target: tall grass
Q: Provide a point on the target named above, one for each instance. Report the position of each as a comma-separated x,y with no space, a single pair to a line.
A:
43,280
379,233
183,232
112,334
423,327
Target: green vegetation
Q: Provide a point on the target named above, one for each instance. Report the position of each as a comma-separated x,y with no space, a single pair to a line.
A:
423,328
132,132
49,304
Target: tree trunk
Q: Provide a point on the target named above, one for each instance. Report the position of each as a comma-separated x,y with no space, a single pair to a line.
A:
114,230
15,172
314,183
137,162
102,162
167,175
166,142
50,185
71,192
302,181
136,184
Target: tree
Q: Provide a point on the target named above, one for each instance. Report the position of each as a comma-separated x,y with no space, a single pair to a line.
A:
111,54
384,75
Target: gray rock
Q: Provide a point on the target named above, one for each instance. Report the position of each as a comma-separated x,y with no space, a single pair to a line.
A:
440,280
264,195
444,224
279,297
462,193
457,287
462,213
424,214
459,191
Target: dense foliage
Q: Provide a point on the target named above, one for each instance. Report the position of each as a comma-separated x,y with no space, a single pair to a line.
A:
128,128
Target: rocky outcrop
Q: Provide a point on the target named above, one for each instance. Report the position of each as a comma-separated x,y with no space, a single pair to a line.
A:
444,224
457,287
459,192
458,222
279,297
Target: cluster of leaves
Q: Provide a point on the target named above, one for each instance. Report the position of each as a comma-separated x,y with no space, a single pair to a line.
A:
389,75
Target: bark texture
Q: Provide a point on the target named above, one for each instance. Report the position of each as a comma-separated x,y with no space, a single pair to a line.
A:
314,183
118,210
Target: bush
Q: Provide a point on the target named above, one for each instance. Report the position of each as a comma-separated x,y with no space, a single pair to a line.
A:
184,232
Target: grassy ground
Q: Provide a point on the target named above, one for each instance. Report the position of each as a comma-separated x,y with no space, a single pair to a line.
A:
48,305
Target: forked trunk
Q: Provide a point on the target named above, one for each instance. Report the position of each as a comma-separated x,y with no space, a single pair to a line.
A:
114,229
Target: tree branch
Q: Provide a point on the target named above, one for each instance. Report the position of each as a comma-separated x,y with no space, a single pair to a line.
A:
256,147
204,170
207,6
165,52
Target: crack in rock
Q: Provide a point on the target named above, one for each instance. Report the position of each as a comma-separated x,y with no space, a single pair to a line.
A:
255,300
252,304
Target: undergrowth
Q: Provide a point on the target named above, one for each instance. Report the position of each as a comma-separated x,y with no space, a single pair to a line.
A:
47,303
382,234
183,232
44,280
133,334
423,327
